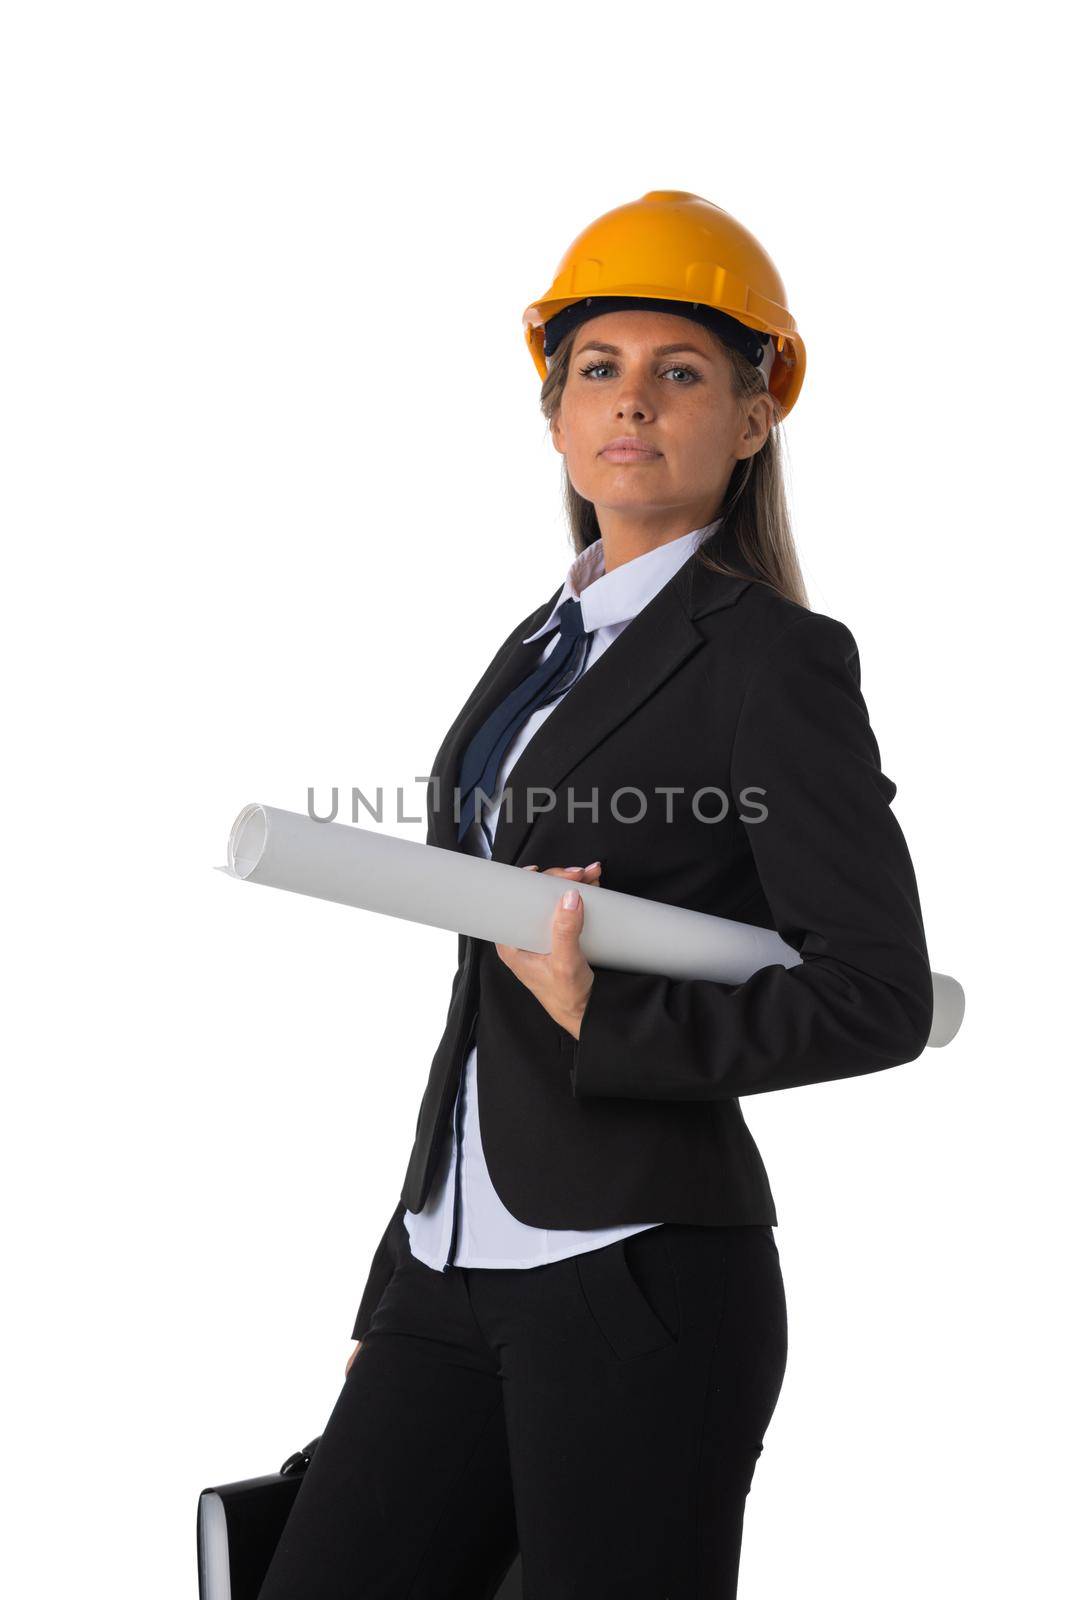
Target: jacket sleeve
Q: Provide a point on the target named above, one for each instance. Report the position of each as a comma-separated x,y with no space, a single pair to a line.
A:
836,873
381,1270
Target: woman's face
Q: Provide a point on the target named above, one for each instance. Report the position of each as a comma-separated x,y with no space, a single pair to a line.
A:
662,380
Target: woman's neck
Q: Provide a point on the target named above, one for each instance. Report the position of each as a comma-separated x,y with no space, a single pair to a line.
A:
626,537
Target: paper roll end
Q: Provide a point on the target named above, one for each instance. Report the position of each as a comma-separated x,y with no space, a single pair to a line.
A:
949,1005
248,840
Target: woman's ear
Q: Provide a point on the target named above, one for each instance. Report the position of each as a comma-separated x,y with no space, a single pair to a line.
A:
557,431
758,421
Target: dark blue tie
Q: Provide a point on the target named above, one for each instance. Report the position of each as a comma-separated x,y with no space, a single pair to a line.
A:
555,675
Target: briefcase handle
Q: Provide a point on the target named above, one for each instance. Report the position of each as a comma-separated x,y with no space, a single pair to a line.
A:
298,1461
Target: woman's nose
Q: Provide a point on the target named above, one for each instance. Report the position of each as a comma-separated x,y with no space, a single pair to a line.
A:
635,406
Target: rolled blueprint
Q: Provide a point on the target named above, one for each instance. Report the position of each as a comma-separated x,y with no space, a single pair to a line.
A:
503,904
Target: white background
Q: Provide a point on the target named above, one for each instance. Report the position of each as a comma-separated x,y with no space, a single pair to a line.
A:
276,486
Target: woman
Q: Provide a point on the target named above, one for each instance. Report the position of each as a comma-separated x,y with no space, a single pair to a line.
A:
573,1335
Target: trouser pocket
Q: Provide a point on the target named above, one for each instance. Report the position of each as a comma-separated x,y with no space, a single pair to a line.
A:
631,1291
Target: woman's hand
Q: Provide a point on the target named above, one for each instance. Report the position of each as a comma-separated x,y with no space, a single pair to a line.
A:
562,979
352,1357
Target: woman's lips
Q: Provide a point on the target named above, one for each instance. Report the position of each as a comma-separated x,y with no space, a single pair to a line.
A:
625,453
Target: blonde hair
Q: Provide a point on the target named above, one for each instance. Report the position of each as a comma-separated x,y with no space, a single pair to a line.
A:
756,536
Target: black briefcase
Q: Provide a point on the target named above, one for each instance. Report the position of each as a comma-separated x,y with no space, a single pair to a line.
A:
238,1526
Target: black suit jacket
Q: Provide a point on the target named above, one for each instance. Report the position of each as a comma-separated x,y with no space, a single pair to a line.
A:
721,689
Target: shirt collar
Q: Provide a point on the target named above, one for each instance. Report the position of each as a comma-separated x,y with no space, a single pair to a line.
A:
617,596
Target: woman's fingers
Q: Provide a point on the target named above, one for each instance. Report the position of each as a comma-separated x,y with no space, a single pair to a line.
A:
566,932
586,873
512,955
352,1357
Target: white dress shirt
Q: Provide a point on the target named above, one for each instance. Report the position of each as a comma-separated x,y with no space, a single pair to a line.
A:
486,1233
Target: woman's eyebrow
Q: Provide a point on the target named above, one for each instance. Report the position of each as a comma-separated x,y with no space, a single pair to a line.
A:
660,350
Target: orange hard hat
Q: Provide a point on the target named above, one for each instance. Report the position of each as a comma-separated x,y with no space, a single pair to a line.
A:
674,246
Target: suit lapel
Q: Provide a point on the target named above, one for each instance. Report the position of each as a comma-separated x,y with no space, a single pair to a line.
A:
649,650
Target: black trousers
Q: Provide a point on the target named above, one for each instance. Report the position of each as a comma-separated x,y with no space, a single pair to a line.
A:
602,1414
